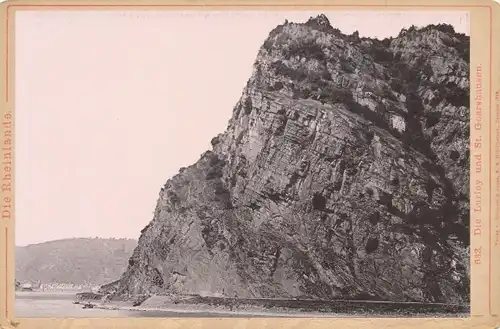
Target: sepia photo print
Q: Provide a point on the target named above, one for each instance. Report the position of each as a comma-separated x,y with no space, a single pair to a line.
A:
242,163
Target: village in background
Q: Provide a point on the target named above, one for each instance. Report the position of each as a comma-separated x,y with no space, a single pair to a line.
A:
53,287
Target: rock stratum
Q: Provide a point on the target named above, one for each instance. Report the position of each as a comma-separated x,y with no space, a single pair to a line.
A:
343,173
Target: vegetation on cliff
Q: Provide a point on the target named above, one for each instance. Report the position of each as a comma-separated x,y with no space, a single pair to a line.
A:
343,173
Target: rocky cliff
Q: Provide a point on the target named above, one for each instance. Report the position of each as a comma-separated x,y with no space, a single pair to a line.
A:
343,173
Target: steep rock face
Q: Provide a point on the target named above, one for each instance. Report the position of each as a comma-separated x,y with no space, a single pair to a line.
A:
343,173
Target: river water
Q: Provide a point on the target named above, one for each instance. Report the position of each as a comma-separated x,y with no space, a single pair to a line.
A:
60,304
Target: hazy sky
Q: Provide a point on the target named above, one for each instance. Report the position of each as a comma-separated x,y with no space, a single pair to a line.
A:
110,104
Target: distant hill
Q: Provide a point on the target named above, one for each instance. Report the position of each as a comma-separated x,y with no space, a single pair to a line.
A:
78,261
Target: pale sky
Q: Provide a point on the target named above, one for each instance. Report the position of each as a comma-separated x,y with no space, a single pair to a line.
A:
110,104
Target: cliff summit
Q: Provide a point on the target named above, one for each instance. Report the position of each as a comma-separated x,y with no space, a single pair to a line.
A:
343,173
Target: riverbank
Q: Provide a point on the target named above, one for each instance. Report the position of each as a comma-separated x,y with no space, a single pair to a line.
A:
62,305
280,307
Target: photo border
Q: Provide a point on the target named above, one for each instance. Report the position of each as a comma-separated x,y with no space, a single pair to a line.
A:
485,224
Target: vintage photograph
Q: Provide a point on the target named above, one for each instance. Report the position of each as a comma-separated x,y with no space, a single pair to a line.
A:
242,163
